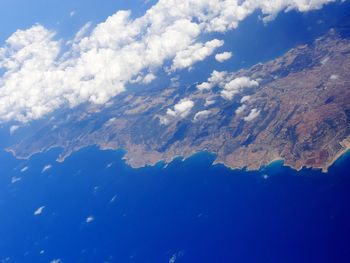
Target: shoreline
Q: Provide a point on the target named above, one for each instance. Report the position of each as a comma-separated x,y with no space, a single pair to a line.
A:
166,163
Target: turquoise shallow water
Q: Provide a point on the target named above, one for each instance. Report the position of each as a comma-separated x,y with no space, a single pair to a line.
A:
190,211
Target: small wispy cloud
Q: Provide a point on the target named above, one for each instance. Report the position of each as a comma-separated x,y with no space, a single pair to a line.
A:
46,168
15,179
89,219
39,210
25,168
113,199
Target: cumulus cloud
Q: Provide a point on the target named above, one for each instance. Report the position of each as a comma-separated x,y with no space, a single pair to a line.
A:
180,110
217,78
237,85
43,73
201,115
195,53
221,57
252,115
240,109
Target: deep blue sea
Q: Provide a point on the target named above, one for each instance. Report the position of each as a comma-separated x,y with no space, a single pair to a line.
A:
94,208
97,209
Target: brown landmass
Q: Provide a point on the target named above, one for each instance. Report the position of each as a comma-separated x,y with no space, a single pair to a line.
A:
303,98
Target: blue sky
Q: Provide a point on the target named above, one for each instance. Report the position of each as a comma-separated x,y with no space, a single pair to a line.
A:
56,14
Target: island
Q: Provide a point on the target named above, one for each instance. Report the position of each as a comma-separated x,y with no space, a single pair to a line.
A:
295,108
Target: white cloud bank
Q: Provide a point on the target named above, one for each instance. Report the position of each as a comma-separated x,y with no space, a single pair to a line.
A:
39,76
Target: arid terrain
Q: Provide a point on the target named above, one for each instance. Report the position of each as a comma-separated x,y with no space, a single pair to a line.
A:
295,108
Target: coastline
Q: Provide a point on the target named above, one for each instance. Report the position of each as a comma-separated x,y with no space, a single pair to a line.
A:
167,161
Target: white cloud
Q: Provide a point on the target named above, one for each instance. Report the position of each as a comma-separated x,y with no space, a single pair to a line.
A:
81,33
245,98
39,211
216,78
252,115
237,85
89,219
40,77
197,52
46,167
221,57
201,115
25,168
209,102
72,13
15,179
149,78
240,109
13,129
180,110
57,260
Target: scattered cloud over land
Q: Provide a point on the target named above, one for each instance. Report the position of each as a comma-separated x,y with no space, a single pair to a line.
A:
201,115
236,85
217,78
43,73
179,111
252,115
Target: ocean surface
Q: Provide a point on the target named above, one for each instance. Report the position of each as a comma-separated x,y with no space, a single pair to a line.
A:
95,208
